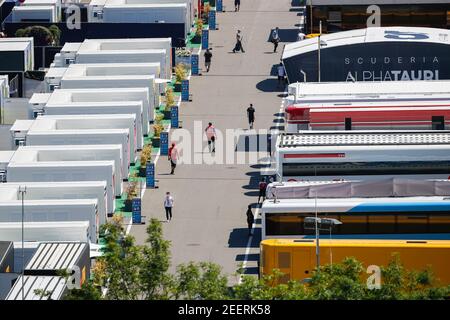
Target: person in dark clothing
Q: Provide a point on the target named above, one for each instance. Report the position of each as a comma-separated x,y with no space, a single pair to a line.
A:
250,220
251,115
238,46
262,189
237,5
208,56
275,39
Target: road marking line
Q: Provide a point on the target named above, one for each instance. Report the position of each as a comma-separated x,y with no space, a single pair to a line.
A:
249,243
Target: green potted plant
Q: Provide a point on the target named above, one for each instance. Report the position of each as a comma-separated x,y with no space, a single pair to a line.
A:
146,156
169,102
157,129
180,75
131,194
197,38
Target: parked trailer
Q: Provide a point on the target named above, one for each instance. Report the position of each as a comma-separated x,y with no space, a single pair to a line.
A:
296,258
61,190
53,210
46,231
76,130
80,97
103,108
393,115
371,91
354,155
17,54
21,14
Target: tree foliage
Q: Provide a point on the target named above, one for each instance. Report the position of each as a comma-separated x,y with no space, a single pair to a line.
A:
131,272
42,36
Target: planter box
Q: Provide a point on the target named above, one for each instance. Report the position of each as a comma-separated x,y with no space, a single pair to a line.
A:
166,115
142,171
128,205
156,142
177,87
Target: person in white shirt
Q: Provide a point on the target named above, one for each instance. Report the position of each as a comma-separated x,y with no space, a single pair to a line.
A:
281,74
300,36
168,205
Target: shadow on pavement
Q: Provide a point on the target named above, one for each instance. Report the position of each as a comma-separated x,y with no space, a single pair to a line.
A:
278,114
252,193
269,85
250,257
239,237
286,35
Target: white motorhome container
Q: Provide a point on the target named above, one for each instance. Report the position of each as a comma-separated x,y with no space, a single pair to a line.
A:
80,96
54,3
34,14
92,130
140,50
81,163
53,210
61,190
106,110
80,137
46,231
17,54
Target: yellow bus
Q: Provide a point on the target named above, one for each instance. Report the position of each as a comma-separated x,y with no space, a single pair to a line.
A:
296,258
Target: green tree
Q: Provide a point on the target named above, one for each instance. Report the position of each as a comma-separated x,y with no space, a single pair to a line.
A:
42,36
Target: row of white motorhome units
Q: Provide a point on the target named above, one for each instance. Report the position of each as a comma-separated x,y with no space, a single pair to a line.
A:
108,75
327,105
133,101
362,155
142,50
142,11
78,130
69,163
61,198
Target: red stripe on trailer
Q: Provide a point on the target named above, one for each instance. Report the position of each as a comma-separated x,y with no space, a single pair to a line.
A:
314,155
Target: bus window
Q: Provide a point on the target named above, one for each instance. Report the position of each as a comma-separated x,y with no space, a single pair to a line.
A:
283,224
439,223
353,224
381,224
412,223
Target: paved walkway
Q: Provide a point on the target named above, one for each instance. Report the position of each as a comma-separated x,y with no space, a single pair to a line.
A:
209,222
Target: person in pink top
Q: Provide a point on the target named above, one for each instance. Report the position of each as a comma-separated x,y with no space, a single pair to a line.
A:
211,135
173,157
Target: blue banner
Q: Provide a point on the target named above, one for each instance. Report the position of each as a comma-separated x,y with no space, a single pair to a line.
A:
164,139
174,116
150,175
205,39
136,205
212,20
219,5
194,64
185,90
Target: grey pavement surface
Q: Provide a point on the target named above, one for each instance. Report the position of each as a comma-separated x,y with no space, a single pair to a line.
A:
209,221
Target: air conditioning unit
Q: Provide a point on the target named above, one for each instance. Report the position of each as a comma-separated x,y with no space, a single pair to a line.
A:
37,113
98,14
70,61
52,87
2,176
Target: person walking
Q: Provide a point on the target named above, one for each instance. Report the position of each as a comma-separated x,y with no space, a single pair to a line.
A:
262,189
250,220
238,46
211,136
237,5
251,115
168,205
281,74
208,56
173,157
275,39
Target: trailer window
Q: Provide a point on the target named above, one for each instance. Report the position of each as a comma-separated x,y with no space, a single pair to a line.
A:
365,168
